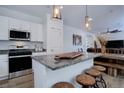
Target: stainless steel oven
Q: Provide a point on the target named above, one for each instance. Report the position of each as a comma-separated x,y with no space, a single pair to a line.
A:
20,62
19,35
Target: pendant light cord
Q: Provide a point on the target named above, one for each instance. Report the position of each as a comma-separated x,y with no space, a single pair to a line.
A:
86,10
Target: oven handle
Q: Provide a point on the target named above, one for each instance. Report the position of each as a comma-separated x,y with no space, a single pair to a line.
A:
19,56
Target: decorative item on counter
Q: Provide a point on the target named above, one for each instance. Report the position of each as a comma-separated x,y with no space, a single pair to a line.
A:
80,50
103,39
38,48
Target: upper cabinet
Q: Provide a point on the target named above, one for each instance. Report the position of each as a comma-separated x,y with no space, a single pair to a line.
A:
36,32
19,24
3,28
7,23
55,24
40,34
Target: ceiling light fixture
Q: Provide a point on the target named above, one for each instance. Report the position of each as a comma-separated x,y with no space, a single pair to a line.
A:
88,21
57,11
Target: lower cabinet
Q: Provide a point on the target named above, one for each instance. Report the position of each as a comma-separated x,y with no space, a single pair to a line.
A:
3,69
4,72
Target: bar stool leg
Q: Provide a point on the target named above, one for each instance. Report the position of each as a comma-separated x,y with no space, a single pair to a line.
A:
96,85
100,81
103,82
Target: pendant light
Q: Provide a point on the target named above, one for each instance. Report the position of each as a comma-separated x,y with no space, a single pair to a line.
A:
57,11
88,21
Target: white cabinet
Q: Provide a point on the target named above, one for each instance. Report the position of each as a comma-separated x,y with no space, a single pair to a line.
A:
3,28
36,32
4,72
39,33
54,35
25,26
19,24
14,24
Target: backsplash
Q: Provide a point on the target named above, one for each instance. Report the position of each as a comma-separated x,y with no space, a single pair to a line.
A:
5,45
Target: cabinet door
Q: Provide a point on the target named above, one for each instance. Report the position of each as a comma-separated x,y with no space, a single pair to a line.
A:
19,24
3,68
14,24
55,23
34,32
55,40
25,26
3,28
40,37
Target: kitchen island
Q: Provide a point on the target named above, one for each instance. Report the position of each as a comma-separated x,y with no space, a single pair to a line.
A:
48,70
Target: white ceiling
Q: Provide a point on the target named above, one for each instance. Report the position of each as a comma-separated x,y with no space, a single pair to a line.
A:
104,16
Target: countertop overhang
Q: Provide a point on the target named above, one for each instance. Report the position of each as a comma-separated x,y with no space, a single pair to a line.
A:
50,61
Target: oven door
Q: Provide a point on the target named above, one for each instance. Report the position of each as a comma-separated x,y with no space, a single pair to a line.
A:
19,66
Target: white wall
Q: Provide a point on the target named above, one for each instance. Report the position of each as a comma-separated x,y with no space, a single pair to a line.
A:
68,40
19,15
116,36
113,19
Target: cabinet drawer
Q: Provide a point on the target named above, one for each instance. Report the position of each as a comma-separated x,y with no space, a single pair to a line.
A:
3,58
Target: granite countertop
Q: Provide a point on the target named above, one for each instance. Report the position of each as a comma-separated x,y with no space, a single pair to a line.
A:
3,52
50,62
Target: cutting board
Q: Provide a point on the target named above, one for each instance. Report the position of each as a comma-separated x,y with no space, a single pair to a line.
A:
69,55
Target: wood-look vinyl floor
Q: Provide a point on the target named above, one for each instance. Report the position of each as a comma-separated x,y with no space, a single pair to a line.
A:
28,82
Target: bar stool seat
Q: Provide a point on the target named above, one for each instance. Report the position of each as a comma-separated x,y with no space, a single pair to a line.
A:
99,68
100,82
93,72
63,85
85,80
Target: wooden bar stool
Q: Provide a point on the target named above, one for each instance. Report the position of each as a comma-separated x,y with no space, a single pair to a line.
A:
97,75
85,80
63,85
101,69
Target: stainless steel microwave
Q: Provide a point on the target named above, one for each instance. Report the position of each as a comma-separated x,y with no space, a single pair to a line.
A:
19,35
